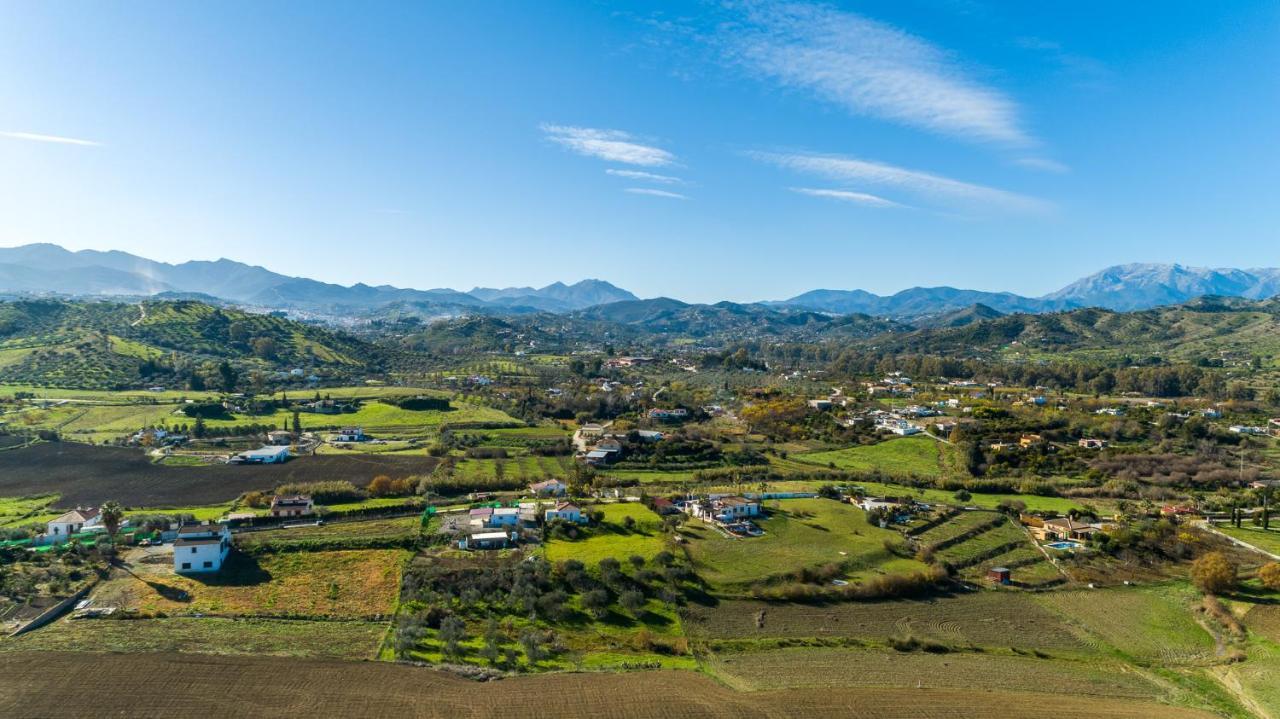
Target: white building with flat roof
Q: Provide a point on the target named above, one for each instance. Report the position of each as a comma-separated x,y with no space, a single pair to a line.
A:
201,548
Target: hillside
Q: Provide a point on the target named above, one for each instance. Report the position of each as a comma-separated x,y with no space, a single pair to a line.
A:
103,345
1207,327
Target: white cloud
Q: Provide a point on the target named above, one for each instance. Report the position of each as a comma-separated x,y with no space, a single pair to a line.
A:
870,68
645,176
1042,164
36,137
935,187
860,198
656,193
610,145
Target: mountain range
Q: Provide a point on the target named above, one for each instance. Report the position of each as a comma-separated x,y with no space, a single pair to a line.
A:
50,269
44,269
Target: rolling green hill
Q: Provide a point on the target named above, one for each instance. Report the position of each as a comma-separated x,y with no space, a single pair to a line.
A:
1207,327
107,345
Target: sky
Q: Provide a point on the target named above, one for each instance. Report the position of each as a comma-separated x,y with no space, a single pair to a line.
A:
699,150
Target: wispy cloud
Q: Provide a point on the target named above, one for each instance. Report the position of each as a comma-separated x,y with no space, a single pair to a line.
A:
610,145
645,176
37,137
924,184
870,68
1043,164
656,193
859,198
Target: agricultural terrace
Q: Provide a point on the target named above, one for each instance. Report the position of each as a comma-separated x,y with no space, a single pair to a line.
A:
916,456
974,541
338,585
799,534
612,538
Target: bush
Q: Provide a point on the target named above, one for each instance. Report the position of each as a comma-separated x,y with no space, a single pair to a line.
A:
1270,575
329,492
1213,573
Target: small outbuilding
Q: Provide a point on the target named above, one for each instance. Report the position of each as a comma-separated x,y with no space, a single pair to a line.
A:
1000,575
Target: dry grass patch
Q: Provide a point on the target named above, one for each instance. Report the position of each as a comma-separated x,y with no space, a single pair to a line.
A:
343,584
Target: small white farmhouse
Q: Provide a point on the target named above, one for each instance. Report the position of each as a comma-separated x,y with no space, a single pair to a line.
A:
73,522
567,511
201,548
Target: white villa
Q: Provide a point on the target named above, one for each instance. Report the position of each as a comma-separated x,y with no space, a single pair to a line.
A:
201,548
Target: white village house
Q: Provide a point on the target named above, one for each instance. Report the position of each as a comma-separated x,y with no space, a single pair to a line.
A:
549,488
567,511
350,434
73,522
201,548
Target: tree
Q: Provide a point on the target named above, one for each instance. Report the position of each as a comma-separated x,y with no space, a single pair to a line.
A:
1270,575
453,631
596,601
265,348
532,643
229,376
633,602
380,486
1213,573
112,514
297,424
199,430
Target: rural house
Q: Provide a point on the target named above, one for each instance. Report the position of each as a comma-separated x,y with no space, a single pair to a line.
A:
350,434
486,540
201,548
293,505
549,488
566,511
265,455
1089,443
73,522
279,438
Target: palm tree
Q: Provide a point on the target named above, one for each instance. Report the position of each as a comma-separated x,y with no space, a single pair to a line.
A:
112,514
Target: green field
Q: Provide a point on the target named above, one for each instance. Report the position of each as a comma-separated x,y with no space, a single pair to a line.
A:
838,667
1152,624
908,456
799,533
381,420
1268,540
612,539
26,510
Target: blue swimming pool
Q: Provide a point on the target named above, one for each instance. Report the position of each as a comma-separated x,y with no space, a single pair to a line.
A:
1063,545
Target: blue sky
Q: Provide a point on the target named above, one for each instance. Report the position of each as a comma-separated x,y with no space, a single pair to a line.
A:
703,151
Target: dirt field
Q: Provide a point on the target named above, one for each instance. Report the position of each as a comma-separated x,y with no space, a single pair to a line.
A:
164,685
86,475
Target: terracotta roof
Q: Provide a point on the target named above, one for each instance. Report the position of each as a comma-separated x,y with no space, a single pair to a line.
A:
78,515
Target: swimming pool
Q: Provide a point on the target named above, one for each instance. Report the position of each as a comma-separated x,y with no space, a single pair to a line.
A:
1064,545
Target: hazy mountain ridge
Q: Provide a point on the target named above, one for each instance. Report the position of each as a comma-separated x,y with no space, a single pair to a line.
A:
47,268
50,269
